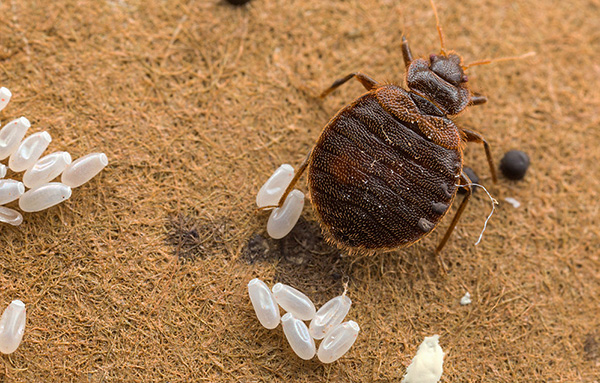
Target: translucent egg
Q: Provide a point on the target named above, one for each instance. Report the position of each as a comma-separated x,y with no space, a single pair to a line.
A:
264,303
11,135
329,315
46,169
10,190
270,193
12,327
298,336
5,96
44,196
84,169
338,341
10,216
294,302
29,151
282,220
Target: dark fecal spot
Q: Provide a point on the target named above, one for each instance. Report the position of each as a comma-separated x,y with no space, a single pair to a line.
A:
425,225
439,207
258,248
193,238
591,346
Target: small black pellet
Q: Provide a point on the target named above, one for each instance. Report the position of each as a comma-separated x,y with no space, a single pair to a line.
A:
514,164
473,177
238,2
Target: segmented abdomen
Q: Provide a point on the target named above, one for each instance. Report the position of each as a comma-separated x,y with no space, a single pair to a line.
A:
377,182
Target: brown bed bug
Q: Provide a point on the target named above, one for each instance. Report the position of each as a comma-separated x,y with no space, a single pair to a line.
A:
386,168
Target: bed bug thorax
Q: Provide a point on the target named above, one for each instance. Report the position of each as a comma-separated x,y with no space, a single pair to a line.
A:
386,168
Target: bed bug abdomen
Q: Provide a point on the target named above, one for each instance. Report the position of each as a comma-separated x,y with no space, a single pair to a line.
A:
376,180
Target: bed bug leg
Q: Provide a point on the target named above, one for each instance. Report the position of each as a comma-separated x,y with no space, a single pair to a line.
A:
365,80
406,53
472,136
465,182
297,176
478,99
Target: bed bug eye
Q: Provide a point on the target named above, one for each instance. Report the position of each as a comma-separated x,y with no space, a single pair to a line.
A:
465,78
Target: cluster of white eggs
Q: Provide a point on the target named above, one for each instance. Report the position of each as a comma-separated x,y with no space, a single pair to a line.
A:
325,324
24,155
282,219
12,327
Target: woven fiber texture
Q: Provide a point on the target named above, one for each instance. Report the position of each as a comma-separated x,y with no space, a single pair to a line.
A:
141,276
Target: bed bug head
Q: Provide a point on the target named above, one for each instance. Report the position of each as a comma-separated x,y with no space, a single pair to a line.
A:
442,79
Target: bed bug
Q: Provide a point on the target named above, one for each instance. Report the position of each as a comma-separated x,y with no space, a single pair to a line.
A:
386,168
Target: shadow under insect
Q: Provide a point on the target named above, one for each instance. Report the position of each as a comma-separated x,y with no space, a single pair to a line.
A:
304,260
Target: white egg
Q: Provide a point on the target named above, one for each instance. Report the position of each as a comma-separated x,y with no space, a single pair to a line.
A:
5,96
84,169
44,196
12,327
3,170
29,151
293,301
427,365
11,135
338,341
46,169
10,216
329,315
282,220
10,190
298,336
264,303
270,193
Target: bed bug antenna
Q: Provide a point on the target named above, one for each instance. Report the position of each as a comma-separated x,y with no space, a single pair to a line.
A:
439,27
489,61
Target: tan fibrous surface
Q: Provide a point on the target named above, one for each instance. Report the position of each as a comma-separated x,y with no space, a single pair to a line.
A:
141,276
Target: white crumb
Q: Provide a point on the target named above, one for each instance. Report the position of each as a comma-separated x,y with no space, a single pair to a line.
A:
466,299
513,202
426,366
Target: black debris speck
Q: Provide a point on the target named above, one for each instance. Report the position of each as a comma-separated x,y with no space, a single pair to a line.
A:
238,2
514,164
